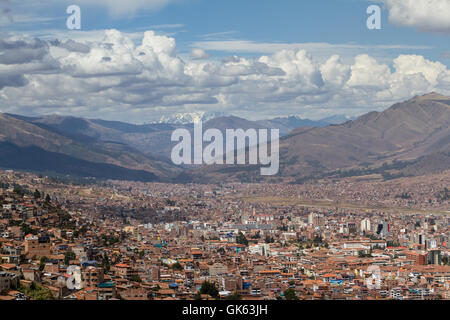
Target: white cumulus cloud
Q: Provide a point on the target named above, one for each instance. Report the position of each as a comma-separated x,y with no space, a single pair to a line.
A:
199,54
114,76
425,15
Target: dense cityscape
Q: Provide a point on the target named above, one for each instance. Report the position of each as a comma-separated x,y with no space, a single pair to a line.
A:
214,159
347,239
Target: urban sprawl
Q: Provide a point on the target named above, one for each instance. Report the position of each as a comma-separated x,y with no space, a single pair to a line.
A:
345,239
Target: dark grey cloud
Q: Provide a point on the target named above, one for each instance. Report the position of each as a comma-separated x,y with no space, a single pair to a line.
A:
15,80
21,51
71,45
234,59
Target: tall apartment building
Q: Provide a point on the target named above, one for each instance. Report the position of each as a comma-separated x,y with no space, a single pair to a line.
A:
419,258
434,256
37,246
93,276
365,225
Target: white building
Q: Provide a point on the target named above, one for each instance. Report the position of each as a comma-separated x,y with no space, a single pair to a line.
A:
365,225
312,218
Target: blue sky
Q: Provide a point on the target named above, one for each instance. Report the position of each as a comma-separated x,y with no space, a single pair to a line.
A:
285,21
254,28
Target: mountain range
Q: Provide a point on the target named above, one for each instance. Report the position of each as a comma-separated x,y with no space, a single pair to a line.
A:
153,139
292,121
102,149
26,145
410,138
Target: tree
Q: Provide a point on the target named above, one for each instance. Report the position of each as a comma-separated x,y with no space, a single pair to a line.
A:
4,185
37,292
136,278
68,256
47,199
26,229
241,239
18,190
392,244
289,294
37,194
105,263
361,254
177,266
43,260
317,241
235,296
209,288
445,260
197,296
257,235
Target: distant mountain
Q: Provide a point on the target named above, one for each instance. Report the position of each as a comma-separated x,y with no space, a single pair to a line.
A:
148,139
284,123
36,159
64,149
406,131
287,125
154,140
412,137
337,119
189,118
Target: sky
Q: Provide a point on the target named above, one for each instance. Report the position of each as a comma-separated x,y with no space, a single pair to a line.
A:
140,60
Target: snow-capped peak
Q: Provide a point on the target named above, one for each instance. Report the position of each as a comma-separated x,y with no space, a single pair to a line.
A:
187,118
